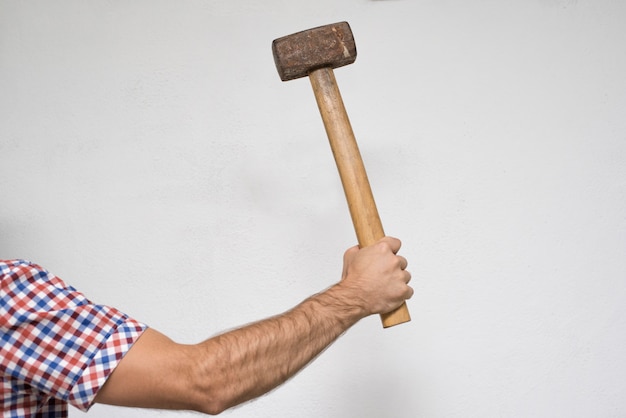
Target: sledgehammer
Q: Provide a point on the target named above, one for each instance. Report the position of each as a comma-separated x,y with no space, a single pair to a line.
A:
314,53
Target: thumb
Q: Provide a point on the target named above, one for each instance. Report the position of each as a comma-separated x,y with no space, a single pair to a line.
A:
347,259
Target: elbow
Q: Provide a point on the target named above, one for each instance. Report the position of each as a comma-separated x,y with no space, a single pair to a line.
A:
209,392
213,408
209,398
214,386
209,401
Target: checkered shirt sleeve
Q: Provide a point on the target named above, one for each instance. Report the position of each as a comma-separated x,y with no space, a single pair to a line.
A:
57,347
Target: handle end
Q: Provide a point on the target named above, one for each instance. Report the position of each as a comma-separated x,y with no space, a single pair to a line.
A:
396,317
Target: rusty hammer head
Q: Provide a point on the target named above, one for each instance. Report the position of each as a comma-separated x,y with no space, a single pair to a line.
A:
298,54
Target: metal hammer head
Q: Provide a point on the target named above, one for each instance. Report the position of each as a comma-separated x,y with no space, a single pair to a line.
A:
298,54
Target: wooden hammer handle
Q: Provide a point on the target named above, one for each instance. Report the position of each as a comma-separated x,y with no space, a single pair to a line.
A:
367,224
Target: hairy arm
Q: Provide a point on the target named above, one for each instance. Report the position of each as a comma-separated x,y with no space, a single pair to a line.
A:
242,364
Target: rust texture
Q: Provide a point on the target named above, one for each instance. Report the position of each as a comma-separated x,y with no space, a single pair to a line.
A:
298,54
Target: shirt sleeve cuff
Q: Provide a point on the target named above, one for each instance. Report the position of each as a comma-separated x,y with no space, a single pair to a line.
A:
104,362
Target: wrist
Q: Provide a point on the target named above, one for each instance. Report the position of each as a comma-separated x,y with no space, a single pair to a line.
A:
342,304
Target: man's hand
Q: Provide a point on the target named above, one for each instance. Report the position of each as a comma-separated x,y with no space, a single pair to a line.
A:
375,277
243,364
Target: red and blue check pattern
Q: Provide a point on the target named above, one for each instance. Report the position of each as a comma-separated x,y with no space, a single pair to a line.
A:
56,347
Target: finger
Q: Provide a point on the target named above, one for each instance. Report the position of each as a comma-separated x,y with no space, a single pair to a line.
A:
403,262
347,257
394,243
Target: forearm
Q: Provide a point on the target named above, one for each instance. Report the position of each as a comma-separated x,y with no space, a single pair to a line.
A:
247,362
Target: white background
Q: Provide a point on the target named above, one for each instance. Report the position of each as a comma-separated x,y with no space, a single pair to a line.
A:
151,157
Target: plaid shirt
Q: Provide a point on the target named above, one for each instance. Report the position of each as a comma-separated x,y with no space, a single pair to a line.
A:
56,347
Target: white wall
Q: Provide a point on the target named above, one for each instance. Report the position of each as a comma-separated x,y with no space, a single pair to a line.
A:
151,157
